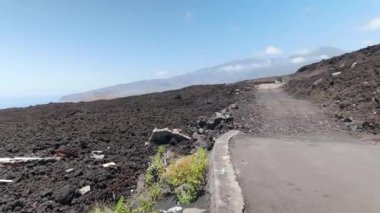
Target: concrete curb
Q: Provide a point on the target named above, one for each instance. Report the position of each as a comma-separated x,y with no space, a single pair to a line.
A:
226,194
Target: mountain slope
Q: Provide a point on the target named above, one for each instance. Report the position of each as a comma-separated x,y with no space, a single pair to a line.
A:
226,73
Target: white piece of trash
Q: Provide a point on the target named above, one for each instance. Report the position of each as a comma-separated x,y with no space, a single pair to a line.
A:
110,164
176,209
6,181
69,170
27,159
97,154
336,74
85,190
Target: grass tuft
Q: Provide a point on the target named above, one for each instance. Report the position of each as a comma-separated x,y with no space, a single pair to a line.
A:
189,173
121,206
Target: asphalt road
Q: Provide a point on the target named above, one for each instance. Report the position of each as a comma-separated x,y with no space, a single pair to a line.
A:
312,171
298,175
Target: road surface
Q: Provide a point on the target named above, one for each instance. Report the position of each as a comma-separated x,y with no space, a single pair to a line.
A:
300,163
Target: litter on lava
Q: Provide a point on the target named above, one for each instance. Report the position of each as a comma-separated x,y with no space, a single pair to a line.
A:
110,164
17,160
85,190
97,154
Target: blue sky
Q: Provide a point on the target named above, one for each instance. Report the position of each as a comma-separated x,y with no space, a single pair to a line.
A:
52,48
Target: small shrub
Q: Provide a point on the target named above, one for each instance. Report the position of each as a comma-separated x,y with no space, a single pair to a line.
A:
149,178
121,206
186,193
161,151
156,168
101,209
187,172
155,191
146,206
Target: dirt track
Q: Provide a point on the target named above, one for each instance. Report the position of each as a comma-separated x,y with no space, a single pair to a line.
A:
274,112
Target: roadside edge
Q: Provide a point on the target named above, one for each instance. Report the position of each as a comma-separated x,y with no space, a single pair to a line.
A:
226,194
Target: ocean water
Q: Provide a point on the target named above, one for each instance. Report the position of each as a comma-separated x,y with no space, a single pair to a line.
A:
11,102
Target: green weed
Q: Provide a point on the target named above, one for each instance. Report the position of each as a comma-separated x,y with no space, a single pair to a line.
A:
187,172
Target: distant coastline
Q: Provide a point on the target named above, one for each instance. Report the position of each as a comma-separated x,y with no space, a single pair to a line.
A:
16,102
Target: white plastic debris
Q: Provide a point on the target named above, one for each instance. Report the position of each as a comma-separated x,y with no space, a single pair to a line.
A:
110,164
69,170
354,64
334,74
98,157
85,190
27,159
6,181
317,81
97,154
176,209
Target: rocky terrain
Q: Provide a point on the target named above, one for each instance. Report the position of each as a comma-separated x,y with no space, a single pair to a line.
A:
347,86
96,151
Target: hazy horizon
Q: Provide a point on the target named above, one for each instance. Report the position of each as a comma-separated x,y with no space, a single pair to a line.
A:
16,102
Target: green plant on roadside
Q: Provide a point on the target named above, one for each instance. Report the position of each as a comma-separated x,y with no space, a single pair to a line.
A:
101,209
156,168
121,206
161,151
146,206
186,176
186,193
155,191
153,181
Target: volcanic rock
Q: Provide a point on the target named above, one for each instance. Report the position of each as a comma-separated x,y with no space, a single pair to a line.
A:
165,136
65,194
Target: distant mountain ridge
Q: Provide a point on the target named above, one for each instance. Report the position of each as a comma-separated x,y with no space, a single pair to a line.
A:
230,72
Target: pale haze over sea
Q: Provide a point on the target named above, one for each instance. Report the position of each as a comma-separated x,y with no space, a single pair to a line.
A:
11,102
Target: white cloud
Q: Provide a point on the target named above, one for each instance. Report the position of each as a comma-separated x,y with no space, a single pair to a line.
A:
303,51
233,68
367,43
189,16
161,73
372,25
241,67
297,60
323,57
272,50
